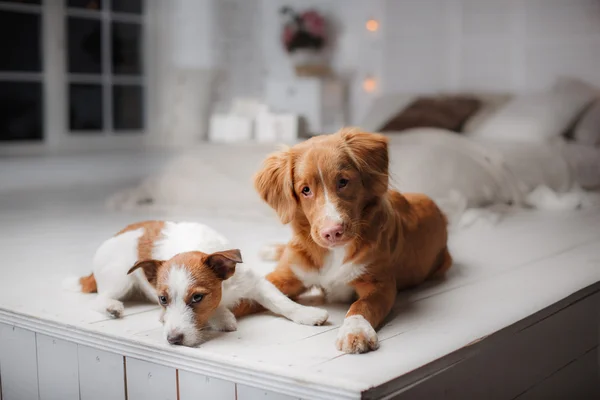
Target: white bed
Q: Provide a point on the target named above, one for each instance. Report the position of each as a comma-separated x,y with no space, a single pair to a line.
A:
517,316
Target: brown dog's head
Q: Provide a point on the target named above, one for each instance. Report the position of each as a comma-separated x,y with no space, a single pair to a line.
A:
326,182
189,290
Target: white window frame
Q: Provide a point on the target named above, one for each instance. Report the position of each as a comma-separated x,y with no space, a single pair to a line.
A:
55,80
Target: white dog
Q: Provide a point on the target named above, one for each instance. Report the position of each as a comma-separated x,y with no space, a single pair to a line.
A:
191,271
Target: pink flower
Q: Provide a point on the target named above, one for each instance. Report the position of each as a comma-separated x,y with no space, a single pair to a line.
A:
314,23
288,34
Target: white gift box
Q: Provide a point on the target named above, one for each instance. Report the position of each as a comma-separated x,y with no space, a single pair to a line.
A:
238,124
281,128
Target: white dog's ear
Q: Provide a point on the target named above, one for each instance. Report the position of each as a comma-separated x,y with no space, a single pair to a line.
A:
223,262
150,268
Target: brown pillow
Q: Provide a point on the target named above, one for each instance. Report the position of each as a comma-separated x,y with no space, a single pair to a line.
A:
447,112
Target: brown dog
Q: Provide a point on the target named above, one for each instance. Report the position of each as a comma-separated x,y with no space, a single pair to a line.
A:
352,235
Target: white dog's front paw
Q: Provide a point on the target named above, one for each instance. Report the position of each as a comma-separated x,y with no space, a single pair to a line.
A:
223,321
309,316
356,335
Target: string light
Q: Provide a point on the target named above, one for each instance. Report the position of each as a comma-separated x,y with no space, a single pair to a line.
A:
369,85
372,25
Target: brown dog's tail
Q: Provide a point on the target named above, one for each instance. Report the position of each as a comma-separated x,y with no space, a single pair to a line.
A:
85,284
271,252
443,265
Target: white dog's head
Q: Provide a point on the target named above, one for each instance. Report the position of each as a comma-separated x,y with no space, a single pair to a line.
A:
189,289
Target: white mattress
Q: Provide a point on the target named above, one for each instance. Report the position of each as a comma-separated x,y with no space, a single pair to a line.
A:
502,274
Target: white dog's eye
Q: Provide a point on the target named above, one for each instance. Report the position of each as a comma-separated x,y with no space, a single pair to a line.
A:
197,298
162,300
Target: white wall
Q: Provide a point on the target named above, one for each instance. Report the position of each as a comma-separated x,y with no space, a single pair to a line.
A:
426,45
515,45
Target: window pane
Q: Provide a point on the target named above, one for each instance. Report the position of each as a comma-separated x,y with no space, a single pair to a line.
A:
85,107
20,111
126,48
87,4
84,36
127,6
22,1
128,107
20,42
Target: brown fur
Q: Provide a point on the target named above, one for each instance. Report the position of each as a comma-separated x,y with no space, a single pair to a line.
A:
152,232
207,271
88,284
401,238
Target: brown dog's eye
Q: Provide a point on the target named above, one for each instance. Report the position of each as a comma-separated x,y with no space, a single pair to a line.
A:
162,300
306,191
342,183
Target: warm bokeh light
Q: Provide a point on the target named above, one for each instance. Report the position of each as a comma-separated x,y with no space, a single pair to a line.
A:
369,85
372,25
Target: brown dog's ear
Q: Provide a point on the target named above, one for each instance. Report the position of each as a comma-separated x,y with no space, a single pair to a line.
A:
150,268
274,184
369,151
223,262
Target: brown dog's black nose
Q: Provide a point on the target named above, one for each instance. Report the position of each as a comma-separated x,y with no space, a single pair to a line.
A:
176,339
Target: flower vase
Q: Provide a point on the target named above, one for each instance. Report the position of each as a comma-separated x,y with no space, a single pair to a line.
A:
310,63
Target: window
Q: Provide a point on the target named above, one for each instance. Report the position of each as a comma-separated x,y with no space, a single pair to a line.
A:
73,74
21,66
105,72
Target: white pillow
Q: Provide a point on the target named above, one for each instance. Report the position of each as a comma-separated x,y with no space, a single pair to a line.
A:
587,130
384,108
439,163
538,117
491,103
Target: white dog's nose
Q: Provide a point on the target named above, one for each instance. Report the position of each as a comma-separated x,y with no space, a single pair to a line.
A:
175,338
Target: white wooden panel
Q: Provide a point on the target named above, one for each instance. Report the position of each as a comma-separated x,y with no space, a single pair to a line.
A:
18,363
251,393
57,369
196,387
148,381
101,374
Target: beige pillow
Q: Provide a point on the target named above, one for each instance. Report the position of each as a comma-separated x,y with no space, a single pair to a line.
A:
587,130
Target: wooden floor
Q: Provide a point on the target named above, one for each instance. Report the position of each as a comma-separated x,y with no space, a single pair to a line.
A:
529,263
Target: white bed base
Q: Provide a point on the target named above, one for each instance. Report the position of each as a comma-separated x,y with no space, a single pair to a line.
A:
517,318
552,354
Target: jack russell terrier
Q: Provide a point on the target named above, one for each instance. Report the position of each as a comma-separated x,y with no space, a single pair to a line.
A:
192,273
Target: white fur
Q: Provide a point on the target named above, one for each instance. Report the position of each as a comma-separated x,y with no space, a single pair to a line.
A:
223,320
356,335
117,255
112,261
269,252
179,316
72,284
330,212
334,277
246,284
179,237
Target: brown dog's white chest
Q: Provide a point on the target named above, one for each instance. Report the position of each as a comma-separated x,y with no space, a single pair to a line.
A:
333,277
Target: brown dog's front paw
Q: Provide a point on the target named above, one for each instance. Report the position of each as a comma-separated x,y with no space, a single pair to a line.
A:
356,335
